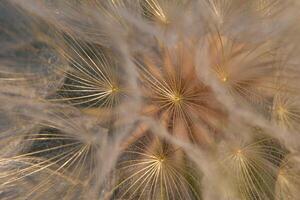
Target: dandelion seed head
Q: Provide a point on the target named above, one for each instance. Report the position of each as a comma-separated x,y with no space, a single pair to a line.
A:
155,172
149,99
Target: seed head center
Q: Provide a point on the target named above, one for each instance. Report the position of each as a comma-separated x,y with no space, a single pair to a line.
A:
239,153
160,159
281,111
224,79
113,89
176,98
